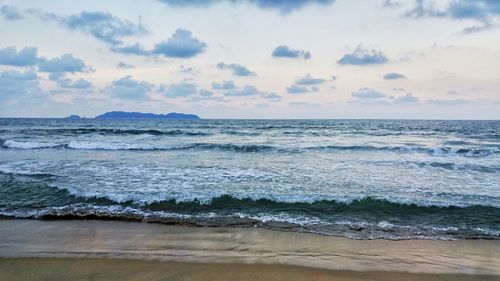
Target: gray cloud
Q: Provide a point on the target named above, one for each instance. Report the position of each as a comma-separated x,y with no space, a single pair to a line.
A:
270,96
134,49
10,13
80,84
248,90
224,85
294,89
251,91
393,76
124,65
182,89
453,93
361,56
283,6
205,93
237,69
130,89
25,57
186,69
63,64
391,3
485,12
370,96
101,25
444,102
309,80
409,98
14,83
367,93
182,44
287,52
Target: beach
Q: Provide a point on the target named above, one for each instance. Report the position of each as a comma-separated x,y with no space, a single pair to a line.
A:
96,199
116,250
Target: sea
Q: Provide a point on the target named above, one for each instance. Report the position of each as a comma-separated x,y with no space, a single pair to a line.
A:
361,179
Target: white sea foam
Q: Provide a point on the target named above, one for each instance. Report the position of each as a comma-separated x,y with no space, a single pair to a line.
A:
105,146
28,144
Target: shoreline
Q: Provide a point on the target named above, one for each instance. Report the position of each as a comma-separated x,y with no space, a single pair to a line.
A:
112,240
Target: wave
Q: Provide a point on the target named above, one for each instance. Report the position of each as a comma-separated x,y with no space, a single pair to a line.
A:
355,224
109,131
30,145
195,146
36,196
455,166
94,145
437,151
91,145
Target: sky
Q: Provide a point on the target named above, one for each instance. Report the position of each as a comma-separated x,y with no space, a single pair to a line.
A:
419,59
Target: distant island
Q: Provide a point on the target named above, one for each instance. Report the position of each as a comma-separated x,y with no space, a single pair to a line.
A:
141,115
73,117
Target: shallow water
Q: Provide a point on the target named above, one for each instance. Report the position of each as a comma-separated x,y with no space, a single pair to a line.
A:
362,179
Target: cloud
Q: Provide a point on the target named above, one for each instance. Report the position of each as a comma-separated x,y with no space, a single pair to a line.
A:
66,83
283,6
224,85
205,93
442,102
25,57
294,89
485,12
14,83
78,84
181,44
124,65
250,91
182,89
367,93
237,69
391,3
370,96
287,52
299,87
245,92
186,69
409,98
63,64
363,57
270,96
101,25
10,13
453,93
135,49
130,89
309,80
393,76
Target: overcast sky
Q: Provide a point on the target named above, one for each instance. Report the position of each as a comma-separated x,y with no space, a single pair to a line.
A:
251,58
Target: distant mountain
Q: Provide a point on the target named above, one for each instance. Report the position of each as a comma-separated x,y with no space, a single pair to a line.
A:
141,115
73,117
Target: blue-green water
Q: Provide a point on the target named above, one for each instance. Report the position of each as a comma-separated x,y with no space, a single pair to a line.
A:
362,179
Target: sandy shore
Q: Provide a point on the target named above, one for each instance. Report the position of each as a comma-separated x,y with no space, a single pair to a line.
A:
51,269
105,250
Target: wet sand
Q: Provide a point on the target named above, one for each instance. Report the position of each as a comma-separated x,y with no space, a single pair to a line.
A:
51,269
107,250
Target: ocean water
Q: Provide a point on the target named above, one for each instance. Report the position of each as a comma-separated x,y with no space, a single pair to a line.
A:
362,179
